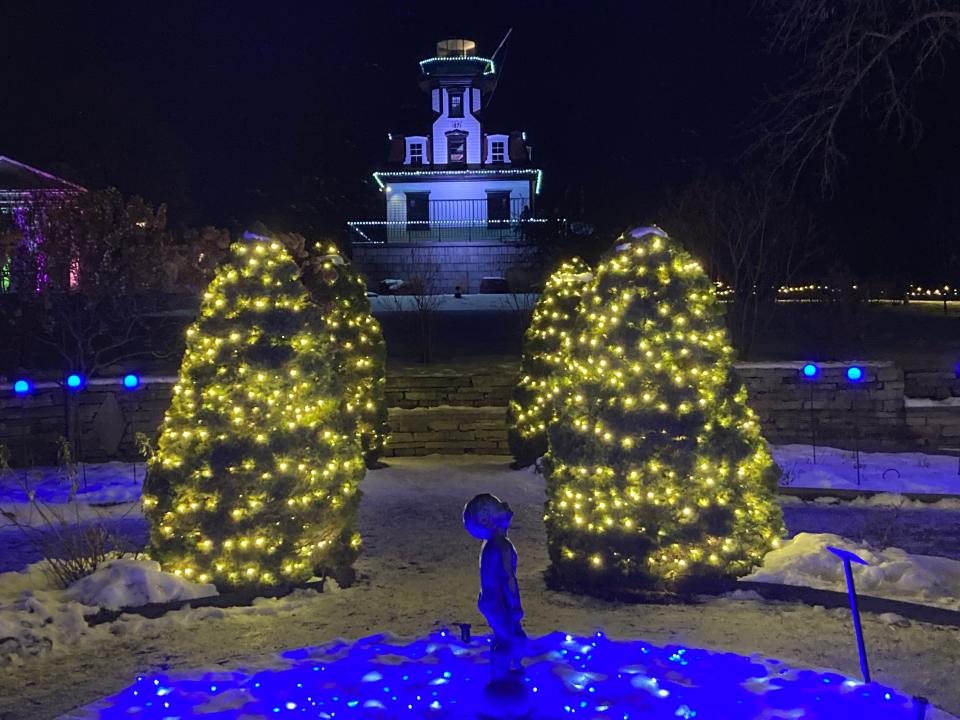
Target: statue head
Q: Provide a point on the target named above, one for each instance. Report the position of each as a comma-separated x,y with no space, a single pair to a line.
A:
485,515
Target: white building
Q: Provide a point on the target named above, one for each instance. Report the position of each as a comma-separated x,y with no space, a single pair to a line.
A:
458,181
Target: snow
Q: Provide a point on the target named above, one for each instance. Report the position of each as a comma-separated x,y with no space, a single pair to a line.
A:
951,402
444,677
919,473
37,617
487,302
798,364
131,583
892,573
417,571
102,489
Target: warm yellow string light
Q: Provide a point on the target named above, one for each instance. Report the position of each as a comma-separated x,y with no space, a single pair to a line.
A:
255,477
657,472
544,351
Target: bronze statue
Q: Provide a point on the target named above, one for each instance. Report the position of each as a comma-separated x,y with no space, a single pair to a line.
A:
487,518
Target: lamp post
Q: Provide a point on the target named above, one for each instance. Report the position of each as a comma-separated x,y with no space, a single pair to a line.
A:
855,376
810,371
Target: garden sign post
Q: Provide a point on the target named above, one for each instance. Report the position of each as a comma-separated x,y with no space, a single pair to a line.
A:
847,557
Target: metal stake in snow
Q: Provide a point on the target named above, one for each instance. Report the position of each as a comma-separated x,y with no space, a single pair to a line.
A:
847,557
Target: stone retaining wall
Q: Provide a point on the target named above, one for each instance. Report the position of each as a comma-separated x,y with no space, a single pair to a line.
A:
448,430
462,408
422,386
446,264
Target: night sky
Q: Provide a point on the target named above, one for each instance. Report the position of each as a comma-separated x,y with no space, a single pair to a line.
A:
232,112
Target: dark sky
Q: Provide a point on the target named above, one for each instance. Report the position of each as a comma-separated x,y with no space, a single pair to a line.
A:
235,111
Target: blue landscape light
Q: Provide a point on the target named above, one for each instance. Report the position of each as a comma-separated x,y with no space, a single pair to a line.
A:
22,387
854,373
74,381
131,381
810,371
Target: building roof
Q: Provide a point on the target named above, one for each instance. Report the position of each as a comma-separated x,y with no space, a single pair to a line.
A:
19,177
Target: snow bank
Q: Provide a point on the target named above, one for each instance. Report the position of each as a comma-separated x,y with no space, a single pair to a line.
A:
879,472
110,489
487,302
37,617
131,583
444,677
892,573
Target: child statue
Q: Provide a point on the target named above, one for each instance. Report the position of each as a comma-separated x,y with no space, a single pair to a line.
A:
487,518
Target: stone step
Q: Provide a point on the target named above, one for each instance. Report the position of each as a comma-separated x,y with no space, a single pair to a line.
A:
447,429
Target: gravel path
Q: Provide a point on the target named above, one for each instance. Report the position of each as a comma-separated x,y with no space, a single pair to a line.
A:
419,568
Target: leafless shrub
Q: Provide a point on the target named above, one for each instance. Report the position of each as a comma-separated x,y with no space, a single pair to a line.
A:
72,547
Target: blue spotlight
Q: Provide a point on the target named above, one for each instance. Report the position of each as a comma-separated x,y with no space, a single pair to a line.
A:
74,381
131,381
22,387
854,373
810,371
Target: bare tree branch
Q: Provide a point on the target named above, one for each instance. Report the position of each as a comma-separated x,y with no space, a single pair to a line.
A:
866,54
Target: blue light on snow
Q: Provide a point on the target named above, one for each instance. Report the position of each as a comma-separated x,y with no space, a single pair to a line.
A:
74,381
131,381
22,387
854,373
615,680
810,371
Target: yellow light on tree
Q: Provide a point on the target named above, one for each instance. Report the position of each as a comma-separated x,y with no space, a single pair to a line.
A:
342,295
544,348
657,475
255,479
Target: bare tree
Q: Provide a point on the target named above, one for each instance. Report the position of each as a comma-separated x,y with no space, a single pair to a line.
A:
866,54
423,284
749,235
88,274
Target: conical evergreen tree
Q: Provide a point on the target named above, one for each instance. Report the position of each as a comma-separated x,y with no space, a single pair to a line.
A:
657,475
531,404
255,479
342,293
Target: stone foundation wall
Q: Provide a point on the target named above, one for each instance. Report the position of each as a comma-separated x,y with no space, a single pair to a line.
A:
444,265
108,419
462,408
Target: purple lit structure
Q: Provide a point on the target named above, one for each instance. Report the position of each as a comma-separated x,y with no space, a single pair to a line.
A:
458,196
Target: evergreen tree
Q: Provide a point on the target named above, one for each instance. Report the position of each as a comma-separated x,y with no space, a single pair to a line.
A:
342,293
255,479
657,475
531,404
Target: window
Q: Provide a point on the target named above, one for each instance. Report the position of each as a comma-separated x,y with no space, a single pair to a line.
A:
418,211
456,103
498,208
457,148
498,151
416,153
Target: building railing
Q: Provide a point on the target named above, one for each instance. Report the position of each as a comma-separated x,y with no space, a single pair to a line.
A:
399,231
495,218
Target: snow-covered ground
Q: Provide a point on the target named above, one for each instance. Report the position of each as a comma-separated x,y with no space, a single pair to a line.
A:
444,678
113,489
418,570
891,573
488,302
97,490
36,616
879,472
